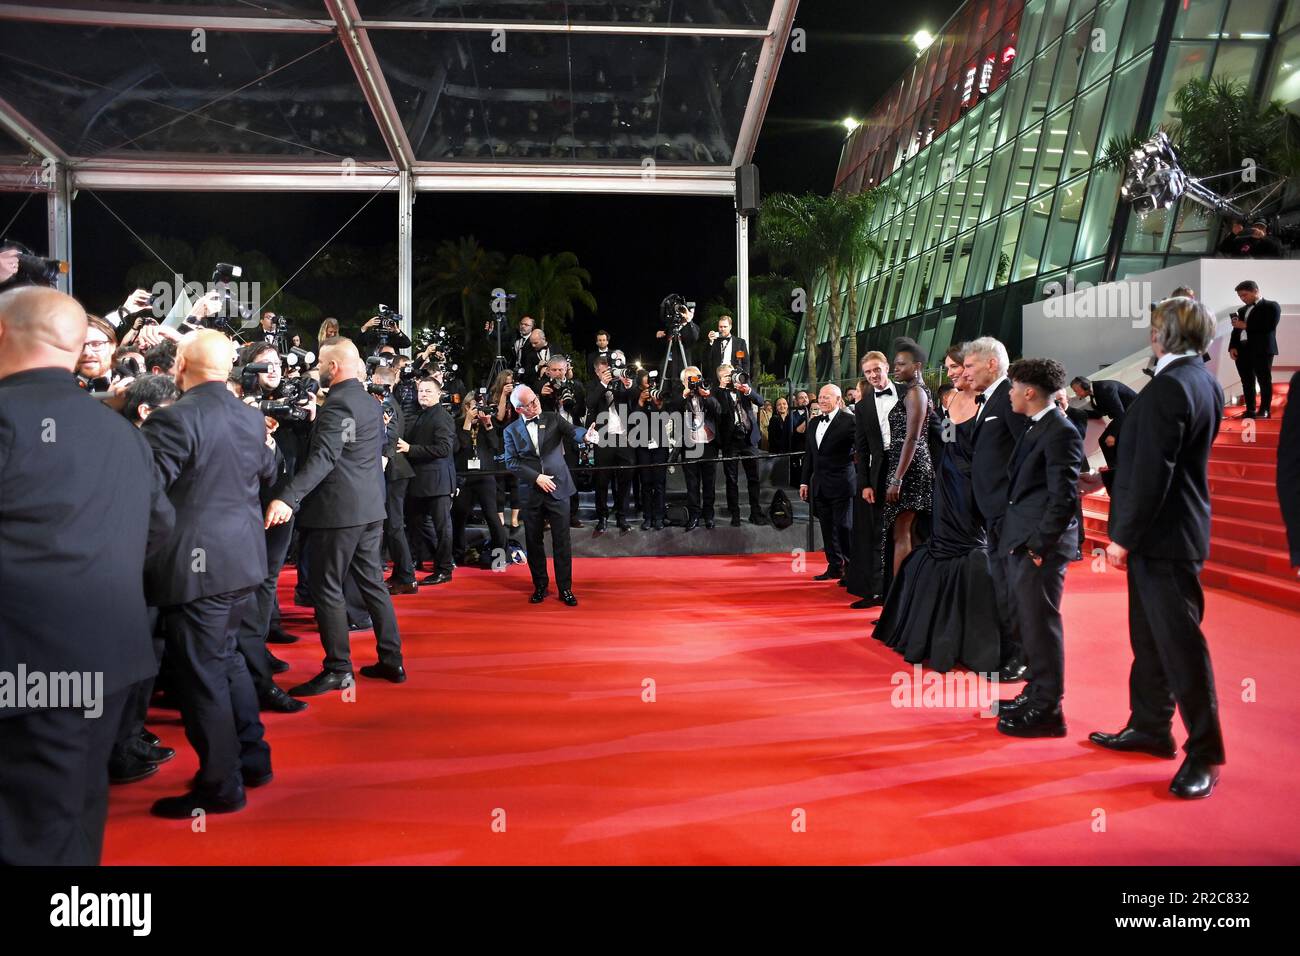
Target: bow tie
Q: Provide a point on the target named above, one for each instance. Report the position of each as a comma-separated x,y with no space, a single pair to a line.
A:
724,338
979,399
884,391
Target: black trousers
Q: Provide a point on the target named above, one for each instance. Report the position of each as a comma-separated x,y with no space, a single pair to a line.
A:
218,702
654,482
1110,452
337,555
1008,622
539,508
1256,367
135,706
54,784
1037,595
395,540
1171,661
700,477
866,573
604,476
835,515
257,618
481,491
431,517
731,474
352,597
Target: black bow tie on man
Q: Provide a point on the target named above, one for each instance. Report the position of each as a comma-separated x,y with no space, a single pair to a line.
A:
882,392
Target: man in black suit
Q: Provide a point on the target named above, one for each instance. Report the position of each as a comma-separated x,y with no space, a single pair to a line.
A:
1160,529
1106,399
800,409
1039,535
602,351
214,453
430,445
397,479
83,504
866,571
997,429
534,450
698,411
607,402
828,479
1079,419
738,436
526,326
1253,346
728,349
1288,469
339,494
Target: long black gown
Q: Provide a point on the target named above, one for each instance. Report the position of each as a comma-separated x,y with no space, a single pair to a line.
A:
940,603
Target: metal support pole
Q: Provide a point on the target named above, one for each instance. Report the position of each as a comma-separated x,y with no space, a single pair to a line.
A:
405,236
58,217
742,278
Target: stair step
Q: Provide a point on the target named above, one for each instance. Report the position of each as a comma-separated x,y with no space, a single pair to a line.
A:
1257,533
1246,470
1253,509
1263,491
1271,562
1252,452
1249,584
1264,433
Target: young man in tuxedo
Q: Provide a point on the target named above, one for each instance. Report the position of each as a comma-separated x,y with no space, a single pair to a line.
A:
828,479
997,429
602,351
728,349
1253,346
1106,399
871,447
1038,537
1160,530
534,450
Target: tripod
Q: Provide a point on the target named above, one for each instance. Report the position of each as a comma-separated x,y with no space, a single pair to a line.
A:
500,320
674,338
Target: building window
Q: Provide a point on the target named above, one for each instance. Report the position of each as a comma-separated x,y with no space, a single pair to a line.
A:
1250,19
1098,214
1107,27
1199,20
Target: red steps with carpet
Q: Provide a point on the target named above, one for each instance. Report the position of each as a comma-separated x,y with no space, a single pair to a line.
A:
1248,545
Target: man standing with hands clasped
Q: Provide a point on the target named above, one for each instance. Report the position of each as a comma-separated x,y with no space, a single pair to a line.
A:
534,450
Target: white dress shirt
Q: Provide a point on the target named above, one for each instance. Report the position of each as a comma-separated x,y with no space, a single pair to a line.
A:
884,405
1168,357
823,425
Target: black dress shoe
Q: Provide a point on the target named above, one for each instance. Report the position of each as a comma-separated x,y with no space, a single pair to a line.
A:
393,673
254,780
1013,671
156,754
367,625
1007,708
153,740
539,595
647,525
708,523
624,526
278,636
758,519
129,769
1032,721
692,524
568,598
440,578
658,524
1129,740
1195,779
277,666
403,587
323,683
277,700
601,525
829,575
183,807
735,521
874,601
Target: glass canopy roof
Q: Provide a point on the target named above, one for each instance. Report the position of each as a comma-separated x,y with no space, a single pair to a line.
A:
397,85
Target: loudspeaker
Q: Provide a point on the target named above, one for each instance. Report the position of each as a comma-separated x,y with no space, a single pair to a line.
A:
747,189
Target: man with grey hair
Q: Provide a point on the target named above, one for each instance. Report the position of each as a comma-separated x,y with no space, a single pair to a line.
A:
1160,530
997,429
829,479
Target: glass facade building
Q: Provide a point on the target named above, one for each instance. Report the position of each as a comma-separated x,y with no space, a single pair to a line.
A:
990,147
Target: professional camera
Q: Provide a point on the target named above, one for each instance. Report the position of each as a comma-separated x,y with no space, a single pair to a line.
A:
482,403
617,367
739,378
695,385
298,358
383,391
230,306
129,367
289,402
33,269
674,312
389,321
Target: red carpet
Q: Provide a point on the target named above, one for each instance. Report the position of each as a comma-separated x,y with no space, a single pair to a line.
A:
770,698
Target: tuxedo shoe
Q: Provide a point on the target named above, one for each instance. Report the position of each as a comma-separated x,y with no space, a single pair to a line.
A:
278,636
708,523
1129,740
758,519
1031,721
277,666
829,575
254,780
1195,779
1008,708
366,625
647,526
183,807
601,525
323,683
277,700
153,740
624,526
692,524
440,578
1013,671
403,587
658,525
151,753
302,599
569,598
129,769
573,523
539,595
735,521
874,601
393,673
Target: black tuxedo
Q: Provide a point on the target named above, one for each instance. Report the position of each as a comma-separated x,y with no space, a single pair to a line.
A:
1160,512
1110,400
1040,520
737,441
529,461
397,479
602,404
340,493
740,358
828,473
591,359
1288,469
1256,347
700,458
432,437
866,569
81,505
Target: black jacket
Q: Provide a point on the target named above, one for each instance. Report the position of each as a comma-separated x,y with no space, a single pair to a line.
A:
828,467
740,359
1288,469
778,434
1043,479
340,484
432,437
709,409
78,514
211,450
1160,500
399,468
1111,400
484,445
1261,328
728,437
869,445
996,434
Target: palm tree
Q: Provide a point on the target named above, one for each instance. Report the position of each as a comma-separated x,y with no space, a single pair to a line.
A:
548,288
462,275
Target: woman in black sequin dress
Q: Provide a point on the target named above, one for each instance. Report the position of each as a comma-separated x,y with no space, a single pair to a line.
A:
911,474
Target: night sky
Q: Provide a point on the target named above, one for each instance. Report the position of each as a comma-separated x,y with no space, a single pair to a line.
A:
638,249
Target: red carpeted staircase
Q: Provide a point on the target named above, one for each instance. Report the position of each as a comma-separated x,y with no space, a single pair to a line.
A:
1248,547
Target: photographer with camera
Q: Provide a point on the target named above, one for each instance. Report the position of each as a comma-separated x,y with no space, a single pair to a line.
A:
534,357
397,479
478,450
429,444
699,412
559,393
526,326
383,329
602,351
738,436
681,332
608,400
646,417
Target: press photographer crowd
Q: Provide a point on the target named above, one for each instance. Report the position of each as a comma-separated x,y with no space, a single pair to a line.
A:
164,467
